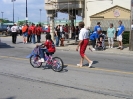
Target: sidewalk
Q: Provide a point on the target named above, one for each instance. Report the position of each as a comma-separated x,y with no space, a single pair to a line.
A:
68,46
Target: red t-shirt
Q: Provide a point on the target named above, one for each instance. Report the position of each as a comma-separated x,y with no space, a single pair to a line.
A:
29,31
50,46
49,29
38,30
66,29
33,29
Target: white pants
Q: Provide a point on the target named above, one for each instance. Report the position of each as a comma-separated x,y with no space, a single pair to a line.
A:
119,38
110,40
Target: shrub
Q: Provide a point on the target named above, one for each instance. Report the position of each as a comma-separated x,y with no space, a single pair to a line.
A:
126,37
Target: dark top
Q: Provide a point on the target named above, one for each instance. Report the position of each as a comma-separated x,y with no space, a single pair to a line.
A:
58,31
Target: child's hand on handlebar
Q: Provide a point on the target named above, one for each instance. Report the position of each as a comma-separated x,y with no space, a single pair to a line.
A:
37,45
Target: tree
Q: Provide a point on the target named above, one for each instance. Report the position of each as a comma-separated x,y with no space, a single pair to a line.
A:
21,22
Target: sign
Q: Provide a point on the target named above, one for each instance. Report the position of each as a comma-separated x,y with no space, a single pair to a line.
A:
26,18
116,13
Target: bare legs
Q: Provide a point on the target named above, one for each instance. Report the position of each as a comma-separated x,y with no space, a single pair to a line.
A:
24,39
120,45
82,59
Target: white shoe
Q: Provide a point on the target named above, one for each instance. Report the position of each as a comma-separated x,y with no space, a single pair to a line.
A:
93,49
90,64
111,46
78,65
41,60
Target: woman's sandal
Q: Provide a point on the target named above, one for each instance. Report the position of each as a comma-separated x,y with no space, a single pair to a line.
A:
78,65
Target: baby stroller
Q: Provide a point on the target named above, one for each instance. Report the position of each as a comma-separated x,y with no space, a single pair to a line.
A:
100,46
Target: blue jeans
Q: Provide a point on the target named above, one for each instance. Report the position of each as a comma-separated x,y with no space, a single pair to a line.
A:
33,38
61,34
25,34
57,40
42,50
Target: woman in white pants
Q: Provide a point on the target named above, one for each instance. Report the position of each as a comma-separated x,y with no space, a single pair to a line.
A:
111,35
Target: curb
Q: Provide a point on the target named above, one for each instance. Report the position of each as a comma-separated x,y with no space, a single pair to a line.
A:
130,53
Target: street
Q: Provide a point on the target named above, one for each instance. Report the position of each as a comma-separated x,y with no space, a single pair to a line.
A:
111,77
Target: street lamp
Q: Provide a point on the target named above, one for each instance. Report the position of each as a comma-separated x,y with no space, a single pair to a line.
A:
13,9
26,13
2,14
40,14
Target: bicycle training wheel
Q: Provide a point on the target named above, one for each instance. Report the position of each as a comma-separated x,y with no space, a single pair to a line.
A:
34,61
57,64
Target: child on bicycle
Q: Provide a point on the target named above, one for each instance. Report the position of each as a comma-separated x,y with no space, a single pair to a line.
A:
48,48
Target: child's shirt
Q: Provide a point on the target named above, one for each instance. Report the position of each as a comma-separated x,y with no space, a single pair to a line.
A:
50,46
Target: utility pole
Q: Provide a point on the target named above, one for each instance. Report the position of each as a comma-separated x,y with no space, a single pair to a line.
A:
40,14
13,9
131,30
26,13
69,31
2,15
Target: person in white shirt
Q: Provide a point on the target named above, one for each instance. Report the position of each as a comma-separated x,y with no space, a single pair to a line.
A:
84,40
8,29
14,30
61,30
20,29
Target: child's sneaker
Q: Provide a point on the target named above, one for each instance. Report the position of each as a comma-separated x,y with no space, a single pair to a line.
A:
41,60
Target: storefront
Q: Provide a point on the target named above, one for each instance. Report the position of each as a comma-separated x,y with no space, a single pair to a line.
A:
111,15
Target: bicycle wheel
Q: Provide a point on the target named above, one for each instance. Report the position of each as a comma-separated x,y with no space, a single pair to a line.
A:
34,61
57,64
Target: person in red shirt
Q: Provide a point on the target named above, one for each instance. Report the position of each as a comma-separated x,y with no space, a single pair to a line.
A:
38,33
33,32
25,33
50,48
48,29
29,34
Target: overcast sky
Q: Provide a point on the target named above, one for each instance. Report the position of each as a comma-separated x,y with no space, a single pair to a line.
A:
6,6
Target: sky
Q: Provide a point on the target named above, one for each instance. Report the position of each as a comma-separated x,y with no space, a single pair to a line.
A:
6,6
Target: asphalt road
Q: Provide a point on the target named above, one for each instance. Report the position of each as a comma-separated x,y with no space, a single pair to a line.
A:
111,77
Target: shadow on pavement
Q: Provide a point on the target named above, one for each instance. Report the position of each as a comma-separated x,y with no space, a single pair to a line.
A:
19,42
9,98
64,69
49,67
94,62
4,45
